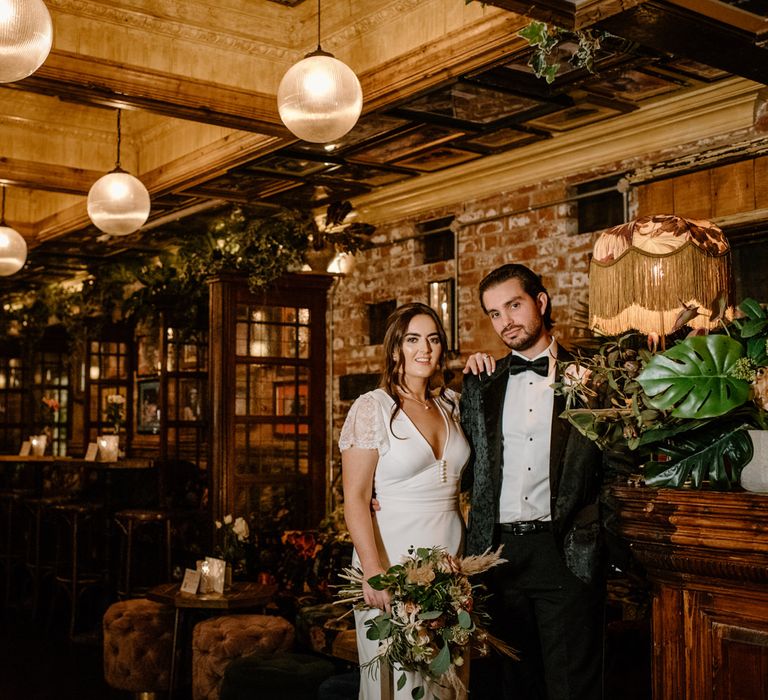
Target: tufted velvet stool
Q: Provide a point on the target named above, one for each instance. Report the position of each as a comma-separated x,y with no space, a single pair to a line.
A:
138,638
221,640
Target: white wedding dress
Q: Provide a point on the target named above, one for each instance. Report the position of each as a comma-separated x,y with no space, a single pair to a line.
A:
418,492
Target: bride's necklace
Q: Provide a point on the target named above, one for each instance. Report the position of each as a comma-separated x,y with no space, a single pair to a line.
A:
426,405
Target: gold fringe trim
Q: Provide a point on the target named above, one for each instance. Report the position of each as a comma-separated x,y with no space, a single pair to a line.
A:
646,292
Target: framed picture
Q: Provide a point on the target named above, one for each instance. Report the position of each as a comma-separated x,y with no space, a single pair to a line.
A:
468,104
442,299
148,411
147,355
634,85
190,400
291,401
188,356
437,159
573,117
406,143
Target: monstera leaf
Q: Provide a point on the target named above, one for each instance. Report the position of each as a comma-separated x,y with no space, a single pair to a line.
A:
694,379
707,454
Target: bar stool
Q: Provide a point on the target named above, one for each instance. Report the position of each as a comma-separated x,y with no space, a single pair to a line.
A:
80,552
41,543
11,541
132,523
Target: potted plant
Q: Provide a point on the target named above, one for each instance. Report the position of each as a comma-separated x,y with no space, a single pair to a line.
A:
686,411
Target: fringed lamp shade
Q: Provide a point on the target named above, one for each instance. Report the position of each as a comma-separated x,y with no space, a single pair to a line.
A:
644,271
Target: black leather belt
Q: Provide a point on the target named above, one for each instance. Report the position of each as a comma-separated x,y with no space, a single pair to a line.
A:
524,527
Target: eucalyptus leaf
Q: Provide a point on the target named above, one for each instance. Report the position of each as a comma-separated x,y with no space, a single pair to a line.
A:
430,615
694,379
440,664
401,681
464,619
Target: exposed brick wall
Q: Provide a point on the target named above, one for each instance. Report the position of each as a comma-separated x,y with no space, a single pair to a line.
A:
516,227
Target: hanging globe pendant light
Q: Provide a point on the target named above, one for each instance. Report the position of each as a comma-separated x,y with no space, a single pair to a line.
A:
26,36
319,98
13,247
118,202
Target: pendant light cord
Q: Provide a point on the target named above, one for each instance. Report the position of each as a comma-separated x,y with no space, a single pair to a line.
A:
318,26
2,212
119,137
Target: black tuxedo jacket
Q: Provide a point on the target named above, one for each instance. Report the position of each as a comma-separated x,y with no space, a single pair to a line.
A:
575,474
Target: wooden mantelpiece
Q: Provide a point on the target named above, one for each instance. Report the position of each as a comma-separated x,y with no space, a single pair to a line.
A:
706,556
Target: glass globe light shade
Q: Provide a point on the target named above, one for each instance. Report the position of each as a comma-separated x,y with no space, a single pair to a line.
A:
13,251
342,264
26,35
319,98
118,203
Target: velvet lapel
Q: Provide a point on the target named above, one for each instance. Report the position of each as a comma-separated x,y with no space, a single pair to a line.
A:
493,391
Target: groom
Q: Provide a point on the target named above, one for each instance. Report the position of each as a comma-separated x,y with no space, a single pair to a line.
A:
535,484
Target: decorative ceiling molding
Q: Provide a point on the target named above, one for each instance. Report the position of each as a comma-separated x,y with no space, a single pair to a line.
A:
458,52
183,29
358,29
708,112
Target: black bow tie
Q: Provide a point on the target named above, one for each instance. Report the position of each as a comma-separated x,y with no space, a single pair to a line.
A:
519,364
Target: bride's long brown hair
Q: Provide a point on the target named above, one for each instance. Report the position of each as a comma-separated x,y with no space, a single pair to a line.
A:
392,378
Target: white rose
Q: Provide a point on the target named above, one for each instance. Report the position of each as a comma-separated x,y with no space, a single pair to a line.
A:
240,528
228,519
218,524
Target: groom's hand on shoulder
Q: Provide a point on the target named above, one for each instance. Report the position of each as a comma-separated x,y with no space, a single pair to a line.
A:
480,362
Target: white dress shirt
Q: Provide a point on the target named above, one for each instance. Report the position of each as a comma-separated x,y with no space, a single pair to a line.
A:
526,434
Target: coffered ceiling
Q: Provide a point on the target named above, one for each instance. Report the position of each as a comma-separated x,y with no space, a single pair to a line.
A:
446,88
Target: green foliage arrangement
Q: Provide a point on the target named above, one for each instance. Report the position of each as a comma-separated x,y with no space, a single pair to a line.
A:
549,42
686,410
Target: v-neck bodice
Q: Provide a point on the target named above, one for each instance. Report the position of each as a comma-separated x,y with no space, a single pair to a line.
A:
446,425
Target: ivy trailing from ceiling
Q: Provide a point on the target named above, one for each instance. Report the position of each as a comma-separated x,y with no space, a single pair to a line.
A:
551,46
173,284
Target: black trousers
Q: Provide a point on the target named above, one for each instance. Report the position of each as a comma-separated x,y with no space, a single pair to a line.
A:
552,618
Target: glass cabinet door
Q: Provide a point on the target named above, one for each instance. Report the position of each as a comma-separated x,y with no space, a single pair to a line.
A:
272,388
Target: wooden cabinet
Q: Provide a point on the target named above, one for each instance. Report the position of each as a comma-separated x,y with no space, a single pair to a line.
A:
268,397
706,556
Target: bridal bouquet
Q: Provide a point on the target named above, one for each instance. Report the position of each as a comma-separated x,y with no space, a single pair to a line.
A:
434,614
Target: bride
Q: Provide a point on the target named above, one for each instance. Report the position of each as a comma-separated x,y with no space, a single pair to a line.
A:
402,444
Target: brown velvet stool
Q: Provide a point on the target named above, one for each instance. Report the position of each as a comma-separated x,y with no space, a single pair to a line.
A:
138,643
80,561
219,641
156,524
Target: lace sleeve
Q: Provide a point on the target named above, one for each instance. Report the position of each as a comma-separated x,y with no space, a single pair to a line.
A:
364,426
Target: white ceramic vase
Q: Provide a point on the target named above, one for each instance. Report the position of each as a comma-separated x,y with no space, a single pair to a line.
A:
754,476
108,448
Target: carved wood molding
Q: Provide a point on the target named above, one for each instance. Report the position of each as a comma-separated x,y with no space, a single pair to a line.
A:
97,81
46,176
721,535
660,562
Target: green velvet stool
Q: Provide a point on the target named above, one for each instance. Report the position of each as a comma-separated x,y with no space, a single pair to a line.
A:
278,677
